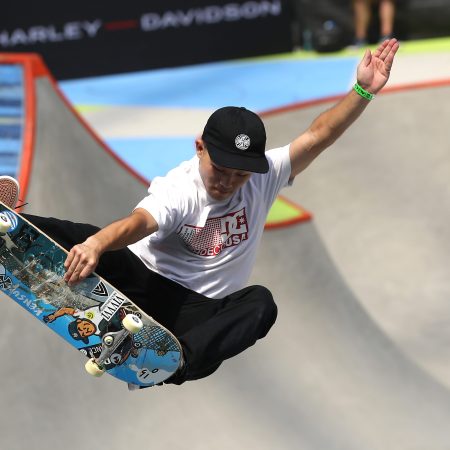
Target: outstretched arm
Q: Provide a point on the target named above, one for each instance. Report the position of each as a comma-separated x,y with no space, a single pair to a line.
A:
372,74
83,258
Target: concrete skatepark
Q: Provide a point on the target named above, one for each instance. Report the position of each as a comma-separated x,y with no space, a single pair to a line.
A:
358,358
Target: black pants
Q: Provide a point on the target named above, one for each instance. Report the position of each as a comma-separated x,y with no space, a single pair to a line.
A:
209,330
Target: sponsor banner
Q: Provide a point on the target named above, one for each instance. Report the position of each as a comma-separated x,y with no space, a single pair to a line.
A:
79,41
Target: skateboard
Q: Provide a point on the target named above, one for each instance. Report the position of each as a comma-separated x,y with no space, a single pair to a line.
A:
95,318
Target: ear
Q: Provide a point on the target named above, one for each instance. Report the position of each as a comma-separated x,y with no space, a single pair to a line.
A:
200,147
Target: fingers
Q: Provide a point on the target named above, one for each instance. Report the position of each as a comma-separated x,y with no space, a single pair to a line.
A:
381,48
387,49
367,58
389,59
80,263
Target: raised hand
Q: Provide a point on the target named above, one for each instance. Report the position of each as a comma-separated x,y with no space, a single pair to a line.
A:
374,69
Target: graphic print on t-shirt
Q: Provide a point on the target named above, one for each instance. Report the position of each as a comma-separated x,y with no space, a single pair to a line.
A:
217,234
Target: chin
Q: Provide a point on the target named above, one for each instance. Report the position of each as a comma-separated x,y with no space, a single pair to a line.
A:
217,195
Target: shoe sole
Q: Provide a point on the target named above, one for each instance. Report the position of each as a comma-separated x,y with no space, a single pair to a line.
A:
9,191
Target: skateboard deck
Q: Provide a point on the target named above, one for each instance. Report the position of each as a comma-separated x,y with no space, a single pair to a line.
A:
87,314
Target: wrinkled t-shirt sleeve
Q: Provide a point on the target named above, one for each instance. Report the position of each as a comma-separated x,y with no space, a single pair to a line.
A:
163,202
279,173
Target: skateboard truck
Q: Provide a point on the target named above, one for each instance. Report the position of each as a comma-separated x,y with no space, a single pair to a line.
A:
132,324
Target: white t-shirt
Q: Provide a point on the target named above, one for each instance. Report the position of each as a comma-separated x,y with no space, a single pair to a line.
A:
204,244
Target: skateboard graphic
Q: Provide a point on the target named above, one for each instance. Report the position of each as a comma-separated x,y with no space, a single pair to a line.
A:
95,318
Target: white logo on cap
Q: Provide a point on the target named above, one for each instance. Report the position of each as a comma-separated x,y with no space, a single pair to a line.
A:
242,142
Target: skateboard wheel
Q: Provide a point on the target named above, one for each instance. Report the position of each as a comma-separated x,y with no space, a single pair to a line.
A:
5,223
132,323
92,368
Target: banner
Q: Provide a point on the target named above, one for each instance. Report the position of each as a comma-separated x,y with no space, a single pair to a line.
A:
80,41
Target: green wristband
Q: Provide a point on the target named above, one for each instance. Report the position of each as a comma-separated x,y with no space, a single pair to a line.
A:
362,92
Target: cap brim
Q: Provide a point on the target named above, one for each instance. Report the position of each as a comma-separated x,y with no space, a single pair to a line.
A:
239,161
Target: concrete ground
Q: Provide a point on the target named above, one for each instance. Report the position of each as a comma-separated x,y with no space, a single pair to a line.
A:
358,357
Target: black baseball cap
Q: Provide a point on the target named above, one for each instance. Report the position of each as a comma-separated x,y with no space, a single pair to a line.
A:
236,138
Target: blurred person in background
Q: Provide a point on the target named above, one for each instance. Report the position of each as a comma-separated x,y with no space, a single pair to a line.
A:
363,15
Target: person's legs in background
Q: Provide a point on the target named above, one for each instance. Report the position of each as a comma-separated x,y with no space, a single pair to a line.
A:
387,15
362,10
362,16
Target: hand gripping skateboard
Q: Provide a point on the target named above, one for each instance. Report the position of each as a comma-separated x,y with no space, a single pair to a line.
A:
94,317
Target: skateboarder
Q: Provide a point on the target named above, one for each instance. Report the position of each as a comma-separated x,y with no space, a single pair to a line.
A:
185,253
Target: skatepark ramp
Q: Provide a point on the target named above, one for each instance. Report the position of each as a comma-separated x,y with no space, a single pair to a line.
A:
57,147
331,375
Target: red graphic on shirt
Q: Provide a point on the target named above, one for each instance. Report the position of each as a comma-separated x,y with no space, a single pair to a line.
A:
217,234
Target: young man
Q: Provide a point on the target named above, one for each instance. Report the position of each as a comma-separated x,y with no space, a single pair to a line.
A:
185,253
